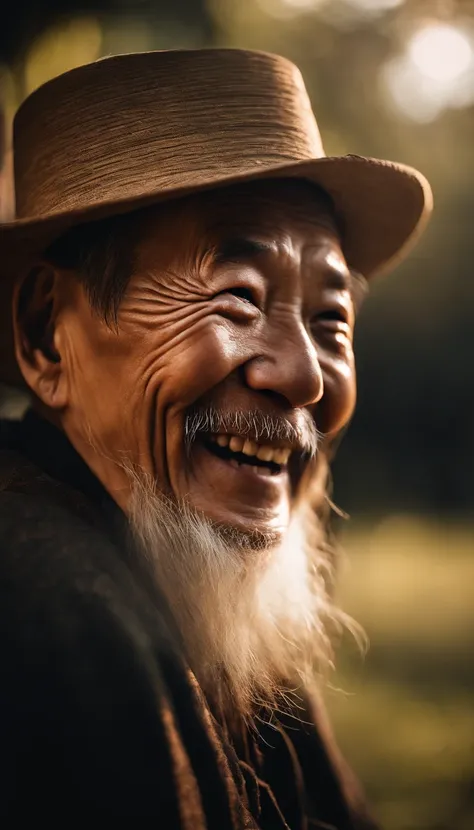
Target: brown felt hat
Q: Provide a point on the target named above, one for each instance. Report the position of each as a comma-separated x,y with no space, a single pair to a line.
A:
131,130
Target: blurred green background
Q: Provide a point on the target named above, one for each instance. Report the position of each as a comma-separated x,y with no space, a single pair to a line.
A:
394,79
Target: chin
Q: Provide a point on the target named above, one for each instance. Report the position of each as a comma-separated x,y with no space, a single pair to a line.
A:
248,536
244,525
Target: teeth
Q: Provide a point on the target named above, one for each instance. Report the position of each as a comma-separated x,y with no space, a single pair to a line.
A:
250,448
281,456
265,453
236,443
244,445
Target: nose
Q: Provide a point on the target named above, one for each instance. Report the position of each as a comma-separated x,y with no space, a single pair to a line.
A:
288,365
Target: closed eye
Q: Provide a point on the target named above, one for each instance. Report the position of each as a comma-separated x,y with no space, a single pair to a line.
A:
237,303
242,293
332,315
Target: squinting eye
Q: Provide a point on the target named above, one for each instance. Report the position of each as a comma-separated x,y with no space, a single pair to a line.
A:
243,294
238,303
331,316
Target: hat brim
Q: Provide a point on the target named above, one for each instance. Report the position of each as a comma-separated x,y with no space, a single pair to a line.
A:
382,208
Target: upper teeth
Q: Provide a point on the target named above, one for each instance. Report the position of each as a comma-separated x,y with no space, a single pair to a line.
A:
279,455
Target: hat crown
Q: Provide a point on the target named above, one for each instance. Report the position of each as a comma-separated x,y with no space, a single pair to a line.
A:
155,122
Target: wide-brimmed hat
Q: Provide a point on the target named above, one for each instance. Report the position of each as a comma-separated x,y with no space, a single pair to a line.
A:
131,130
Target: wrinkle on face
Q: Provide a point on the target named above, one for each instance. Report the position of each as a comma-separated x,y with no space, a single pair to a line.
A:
183,335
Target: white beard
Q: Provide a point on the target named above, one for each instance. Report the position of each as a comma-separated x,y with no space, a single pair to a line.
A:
253,617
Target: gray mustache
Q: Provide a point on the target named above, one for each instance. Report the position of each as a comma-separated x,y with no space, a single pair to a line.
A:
303,435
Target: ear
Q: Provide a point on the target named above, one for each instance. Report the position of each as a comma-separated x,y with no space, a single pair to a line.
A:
35,309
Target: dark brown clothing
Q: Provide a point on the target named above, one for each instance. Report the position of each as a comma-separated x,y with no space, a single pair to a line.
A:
99,715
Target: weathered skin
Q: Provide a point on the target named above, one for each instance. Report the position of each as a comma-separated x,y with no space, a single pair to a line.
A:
184,339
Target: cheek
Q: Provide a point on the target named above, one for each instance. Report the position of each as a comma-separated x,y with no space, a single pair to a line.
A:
106,384
185,365
337,405
175,373
102,380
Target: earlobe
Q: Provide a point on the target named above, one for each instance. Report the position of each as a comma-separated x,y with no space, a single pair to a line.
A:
37,346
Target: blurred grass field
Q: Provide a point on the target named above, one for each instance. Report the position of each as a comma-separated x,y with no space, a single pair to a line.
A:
404,714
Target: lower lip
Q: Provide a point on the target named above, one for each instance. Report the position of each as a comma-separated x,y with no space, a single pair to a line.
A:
246,474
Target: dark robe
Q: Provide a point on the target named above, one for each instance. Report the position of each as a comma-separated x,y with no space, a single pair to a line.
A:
99,715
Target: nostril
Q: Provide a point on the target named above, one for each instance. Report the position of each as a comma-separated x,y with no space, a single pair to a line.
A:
247,378
293,377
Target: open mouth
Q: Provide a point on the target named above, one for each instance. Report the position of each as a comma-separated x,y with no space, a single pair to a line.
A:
242,478
238,451
243,468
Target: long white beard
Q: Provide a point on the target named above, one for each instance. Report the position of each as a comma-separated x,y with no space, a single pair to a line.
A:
253,617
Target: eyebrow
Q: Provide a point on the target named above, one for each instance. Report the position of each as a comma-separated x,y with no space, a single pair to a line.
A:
239,248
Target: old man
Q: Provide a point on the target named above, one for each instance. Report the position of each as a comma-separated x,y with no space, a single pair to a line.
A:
180,287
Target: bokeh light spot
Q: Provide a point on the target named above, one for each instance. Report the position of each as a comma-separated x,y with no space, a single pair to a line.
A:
440,52
375,5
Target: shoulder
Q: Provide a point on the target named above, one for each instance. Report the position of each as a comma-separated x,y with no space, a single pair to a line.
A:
70,602
93,688
44,541
61,571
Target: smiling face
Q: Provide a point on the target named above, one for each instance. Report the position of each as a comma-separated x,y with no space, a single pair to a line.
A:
231,356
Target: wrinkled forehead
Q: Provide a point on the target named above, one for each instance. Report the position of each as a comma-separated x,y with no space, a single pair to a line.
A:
275,205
